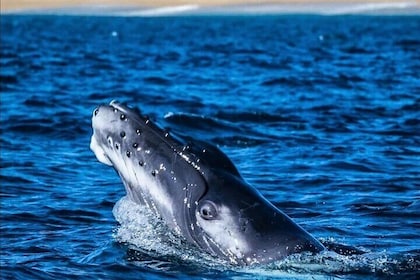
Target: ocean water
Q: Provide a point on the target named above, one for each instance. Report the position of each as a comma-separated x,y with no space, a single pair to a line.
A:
321,114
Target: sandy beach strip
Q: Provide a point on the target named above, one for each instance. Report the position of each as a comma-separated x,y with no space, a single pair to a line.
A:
167,7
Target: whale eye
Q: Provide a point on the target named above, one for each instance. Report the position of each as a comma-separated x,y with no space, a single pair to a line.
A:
208,210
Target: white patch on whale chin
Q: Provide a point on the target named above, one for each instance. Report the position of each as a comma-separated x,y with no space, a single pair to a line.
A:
225,233
137,177
137,181
98,151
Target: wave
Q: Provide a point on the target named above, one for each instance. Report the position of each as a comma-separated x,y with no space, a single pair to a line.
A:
358,8
186,122
161,11
110,10
331,8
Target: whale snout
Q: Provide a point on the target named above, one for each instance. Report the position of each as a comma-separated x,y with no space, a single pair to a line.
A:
110,126
122,137
112,119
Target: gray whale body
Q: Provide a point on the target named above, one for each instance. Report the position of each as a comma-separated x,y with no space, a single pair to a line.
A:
195,189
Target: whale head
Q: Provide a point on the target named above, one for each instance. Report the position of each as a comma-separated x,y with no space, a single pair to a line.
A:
195,189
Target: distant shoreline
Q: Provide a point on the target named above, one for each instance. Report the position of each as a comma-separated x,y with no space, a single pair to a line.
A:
180,7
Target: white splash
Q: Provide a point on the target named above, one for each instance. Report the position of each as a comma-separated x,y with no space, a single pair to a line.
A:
142,228
139,226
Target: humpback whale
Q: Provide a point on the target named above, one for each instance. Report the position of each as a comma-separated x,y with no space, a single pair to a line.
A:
195,189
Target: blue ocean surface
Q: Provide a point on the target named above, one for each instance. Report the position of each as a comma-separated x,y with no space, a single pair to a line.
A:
320,113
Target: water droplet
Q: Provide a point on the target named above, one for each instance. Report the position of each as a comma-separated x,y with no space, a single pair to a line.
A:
128,153
141,163
117,146
96,111
123,117
138,131
162,167
135,145
122,134
154,173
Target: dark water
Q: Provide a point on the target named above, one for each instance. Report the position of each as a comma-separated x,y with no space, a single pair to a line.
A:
321,114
